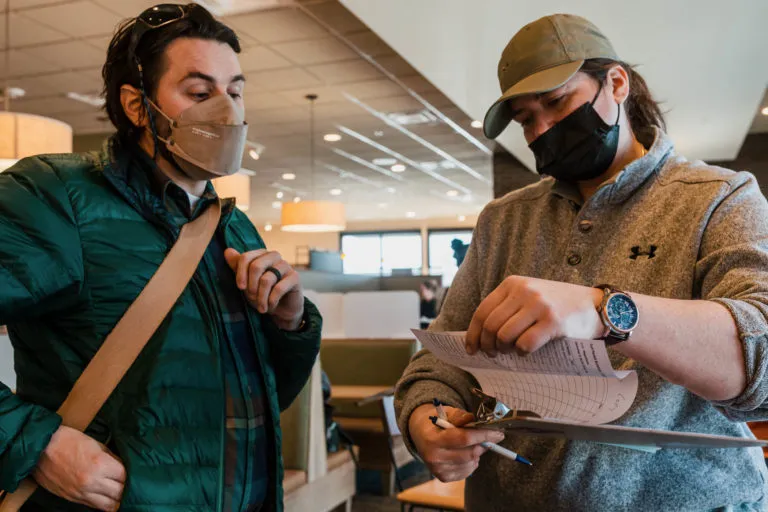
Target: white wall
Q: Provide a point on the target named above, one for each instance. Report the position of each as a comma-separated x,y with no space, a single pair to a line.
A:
7,376
699,57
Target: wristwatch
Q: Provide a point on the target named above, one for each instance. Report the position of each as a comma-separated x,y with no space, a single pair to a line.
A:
619,314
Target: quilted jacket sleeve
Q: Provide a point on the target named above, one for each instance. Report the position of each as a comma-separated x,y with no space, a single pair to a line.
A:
294,354
41,271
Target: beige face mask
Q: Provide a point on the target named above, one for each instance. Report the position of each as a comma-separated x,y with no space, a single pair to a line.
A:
208,139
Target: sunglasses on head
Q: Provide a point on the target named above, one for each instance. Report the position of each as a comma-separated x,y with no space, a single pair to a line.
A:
157,17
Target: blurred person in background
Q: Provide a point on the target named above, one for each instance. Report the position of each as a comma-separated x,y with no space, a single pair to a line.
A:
428,305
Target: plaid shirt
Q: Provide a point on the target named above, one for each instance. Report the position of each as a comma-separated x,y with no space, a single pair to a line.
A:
249,438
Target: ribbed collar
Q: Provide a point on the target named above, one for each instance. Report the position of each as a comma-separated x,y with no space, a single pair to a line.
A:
619,188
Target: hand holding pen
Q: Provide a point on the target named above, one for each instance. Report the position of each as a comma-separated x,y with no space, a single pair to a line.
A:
453,454
441,421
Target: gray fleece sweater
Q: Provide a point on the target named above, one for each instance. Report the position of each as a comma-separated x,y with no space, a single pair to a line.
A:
707,229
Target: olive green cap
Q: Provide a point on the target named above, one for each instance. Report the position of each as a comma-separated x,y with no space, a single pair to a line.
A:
541,57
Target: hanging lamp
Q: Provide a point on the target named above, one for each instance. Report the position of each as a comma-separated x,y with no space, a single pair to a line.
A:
26,134
313,216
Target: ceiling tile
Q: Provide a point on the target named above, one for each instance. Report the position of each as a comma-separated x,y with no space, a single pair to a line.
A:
276,26
345,72
17,5
337,16
370,44
126,8
281,79
255,100
23,63
259,58
26,31
315,51
101,43
78,19
73,54
82,81
397,65
52,106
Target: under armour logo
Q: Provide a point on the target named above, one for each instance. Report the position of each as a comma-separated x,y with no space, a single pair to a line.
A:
636,252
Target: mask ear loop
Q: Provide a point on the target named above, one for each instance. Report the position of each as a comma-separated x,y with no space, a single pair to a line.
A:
618,112
147,109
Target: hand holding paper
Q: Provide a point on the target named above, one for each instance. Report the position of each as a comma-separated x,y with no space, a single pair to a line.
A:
566,379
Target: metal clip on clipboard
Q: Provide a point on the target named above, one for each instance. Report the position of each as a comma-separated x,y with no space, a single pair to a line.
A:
492,409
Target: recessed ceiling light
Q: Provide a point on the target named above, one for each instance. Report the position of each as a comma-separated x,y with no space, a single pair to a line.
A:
391,190
296,199
89,99
279,195
268,227
477,124
398,168
764,111
452,193
277,205
253,154
378,133
462,218
335,191
289,176
410,215
332,137
384,162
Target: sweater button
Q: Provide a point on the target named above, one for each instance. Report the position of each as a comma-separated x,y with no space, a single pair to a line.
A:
585,226
574,259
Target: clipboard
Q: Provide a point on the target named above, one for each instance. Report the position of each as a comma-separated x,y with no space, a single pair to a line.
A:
493,414
614,434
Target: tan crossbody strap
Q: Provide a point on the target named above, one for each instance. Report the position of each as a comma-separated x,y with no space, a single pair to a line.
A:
131,334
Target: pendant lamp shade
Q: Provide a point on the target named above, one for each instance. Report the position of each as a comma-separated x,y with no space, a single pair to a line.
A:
26,135
312,216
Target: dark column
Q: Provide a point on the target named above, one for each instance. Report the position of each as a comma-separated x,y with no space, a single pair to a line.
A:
752,157
509,174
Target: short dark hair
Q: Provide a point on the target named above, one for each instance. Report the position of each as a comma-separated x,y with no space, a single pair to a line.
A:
643,110
430,285
119,69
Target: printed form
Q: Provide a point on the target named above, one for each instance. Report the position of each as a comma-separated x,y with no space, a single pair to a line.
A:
568,379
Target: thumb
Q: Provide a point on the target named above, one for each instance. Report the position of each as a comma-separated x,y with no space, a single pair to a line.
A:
458,417
233,258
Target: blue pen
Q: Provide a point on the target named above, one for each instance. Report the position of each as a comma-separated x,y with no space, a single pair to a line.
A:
491,446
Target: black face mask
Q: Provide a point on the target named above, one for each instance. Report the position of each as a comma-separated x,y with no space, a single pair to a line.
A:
580,147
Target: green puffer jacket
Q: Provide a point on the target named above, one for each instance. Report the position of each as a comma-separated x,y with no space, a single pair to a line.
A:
80,236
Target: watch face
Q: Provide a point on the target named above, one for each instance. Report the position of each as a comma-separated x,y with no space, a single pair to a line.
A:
622,312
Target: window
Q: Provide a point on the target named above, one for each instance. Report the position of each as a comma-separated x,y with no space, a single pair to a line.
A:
382,253
441,253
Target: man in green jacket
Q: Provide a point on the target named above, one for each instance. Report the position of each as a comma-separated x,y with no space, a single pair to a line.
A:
194,425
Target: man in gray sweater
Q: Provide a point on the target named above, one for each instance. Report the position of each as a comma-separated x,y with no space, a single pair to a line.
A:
685,248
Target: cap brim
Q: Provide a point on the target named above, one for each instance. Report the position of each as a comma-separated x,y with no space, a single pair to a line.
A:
499,115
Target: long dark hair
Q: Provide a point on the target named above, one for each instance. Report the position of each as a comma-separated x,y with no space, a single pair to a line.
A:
119,70
643,110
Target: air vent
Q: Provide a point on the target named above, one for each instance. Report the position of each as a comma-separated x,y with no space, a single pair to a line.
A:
411,118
